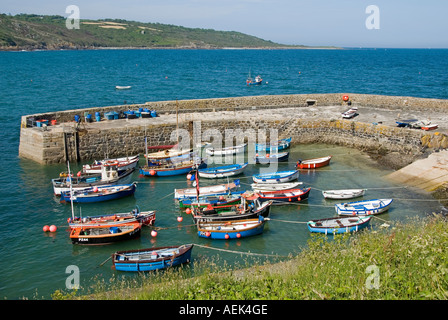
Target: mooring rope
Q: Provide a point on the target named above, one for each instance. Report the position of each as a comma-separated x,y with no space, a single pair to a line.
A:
240,252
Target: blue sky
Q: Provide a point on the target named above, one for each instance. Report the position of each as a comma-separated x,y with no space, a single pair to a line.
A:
403,23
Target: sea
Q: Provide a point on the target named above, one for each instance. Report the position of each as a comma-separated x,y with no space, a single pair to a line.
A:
35,264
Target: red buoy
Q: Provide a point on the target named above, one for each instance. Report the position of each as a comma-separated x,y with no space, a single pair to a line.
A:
345,97
188,211
46,228
180,219
53,228
152,172
227,236
238,235
154,233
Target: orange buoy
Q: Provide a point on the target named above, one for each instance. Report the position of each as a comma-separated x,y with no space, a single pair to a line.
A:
180,219
238,235
46,228
207,234
53,228
345,97
227,236
188,211
154,233
152,172
188,176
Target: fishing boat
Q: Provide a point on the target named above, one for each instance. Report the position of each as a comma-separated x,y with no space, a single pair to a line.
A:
123,163
284,196
338,225
173,169
109,176
146,218
226,151
430,127
350,113
419,124
99,194
234,229
102,234
152,258
343,194
313,163
222,201
223,171
213,190
274,186
405,123
250,81
276,177
276,146
123,87
363,208
248,209
268,158
168,153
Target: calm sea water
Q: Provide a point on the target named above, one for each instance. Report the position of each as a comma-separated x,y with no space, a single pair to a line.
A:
33,263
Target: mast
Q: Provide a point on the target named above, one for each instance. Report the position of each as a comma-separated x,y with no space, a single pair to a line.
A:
177,123
71,190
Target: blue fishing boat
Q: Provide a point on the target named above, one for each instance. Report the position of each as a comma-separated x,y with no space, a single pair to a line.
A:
277,146
99,194
268,158
276,177
363,208
338,225
232,198
234,229
223,171
152,258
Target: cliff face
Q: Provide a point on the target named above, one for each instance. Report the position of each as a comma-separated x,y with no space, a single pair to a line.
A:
33,32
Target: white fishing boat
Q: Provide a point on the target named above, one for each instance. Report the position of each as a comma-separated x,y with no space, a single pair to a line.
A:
274,186
363,208
123,87
223,171
343,194
121,163
226,151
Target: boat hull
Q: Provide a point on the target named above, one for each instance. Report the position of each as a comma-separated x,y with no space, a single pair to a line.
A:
363,208
99,196
263,210
284,197
222,172
278,157
314,163
226,151
135,261
338,225
104,238
281,145
279,177
343,194
166,172
225,231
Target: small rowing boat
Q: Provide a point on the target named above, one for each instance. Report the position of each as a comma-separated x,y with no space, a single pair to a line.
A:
343,194
363,208
226,151
276,177
223,171
274,186
234,229
313,163
338,225
152,258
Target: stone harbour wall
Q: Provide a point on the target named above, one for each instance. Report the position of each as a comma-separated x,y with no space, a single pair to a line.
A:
57,144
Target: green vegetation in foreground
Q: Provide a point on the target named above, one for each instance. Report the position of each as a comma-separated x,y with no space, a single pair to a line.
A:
411,261
31,31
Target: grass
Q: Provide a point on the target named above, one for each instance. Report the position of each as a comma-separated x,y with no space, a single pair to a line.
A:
408,261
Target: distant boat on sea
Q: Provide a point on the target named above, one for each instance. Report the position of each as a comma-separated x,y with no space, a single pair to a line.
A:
123,87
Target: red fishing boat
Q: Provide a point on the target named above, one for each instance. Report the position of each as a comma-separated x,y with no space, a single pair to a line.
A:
313,163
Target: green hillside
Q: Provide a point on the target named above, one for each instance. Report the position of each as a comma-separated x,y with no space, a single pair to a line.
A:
30,32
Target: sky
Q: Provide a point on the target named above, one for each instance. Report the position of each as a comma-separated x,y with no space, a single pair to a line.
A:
342,23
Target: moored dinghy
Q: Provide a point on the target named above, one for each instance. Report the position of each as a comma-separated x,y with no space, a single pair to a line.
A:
235,229
146,218
271,158
226,151
343,193
274,186
363,208
223,171
284,196
104,234
276,177
313,163
99,194
338,225
216,190
121,163
152,258
278,145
